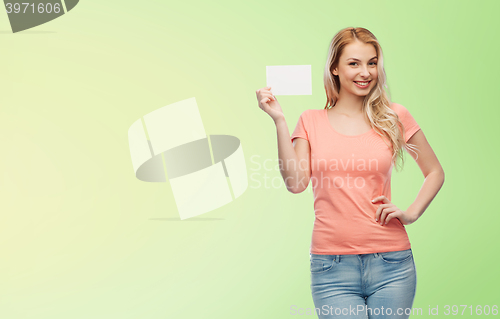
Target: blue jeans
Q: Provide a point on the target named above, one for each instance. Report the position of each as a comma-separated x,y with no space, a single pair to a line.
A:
378,285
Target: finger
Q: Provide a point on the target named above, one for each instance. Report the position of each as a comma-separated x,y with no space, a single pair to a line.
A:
271,95
385,199
391,216
264,101
386,212
262,90
379,199
382,216
267,94
379,211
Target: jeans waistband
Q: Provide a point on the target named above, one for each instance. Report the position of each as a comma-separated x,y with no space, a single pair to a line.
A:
340,257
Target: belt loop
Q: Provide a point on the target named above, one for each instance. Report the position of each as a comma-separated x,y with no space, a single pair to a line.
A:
338,258
375,255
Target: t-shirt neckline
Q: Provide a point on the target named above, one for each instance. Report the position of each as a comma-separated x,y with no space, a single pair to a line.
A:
325,112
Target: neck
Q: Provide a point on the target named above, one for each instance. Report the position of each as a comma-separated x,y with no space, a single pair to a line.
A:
351,105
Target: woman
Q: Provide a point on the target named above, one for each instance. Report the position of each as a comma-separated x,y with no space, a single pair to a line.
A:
361,260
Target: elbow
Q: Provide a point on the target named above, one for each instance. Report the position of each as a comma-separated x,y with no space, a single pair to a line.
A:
295,186
440,173
295,190
437,177
437,172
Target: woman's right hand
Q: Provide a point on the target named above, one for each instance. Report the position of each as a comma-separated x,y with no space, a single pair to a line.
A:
269,104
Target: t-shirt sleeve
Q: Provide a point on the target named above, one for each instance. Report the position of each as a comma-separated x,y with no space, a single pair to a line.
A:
301,128
410,125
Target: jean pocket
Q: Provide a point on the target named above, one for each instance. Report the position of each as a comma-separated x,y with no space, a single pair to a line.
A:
321,265
396,257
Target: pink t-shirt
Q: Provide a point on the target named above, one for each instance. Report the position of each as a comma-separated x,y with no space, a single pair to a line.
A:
347,172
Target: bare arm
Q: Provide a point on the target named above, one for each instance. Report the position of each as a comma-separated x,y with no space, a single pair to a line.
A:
433,173
294,159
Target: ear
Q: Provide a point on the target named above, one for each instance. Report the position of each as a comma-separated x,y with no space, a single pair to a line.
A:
335,72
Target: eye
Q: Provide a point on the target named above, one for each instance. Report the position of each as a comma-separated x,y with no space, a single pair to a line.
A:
374,63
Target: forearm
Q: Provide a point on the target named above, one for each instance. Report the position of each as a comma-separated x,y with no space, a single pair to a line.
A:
431,186
289,163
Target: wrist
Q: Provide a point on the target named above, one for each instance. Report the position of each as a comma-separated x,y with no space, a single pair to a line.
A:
410,217
280,120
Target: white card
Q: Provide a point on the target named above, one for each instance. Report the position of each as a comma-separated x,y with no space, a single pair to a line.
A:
289,79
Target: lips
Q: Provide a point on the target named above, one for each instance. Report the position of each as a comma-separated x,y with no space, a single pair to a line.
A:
362,86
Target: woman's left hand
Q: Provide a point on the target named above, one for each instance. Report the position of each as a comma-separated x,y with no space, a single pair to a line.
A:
388,211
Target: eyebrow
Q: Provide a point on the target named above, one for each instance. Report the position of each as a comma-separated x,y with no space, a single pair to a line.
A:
360,60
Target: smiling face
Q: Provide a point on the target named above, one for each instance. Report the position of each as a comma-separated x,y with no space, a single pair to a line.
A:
357,65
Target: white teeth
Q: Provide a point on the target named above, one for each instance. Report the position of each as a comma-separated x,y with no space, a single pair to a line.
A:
362,83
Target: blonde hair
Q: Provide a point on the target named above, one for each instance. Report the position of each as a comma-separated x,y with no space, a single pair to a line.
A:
377,103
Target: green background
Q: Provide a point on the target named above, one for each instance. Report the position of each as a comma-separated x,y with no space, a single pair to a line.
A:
81,237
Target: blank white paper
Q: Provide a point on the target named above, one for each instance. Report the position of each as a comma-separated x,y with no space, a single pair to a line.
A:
289,79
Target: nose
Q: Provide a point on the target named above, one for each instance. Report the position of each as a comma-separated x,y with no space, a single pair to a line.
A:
365,72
